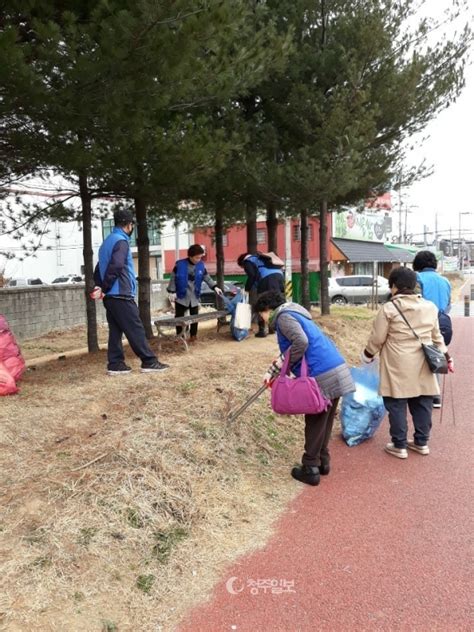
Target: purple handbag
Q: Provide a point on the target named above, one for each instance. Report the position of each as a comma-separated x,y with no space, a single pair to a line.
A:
299,395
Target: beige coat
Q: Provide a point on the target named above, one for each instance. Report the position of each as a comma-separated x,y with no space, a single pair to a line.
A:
403,369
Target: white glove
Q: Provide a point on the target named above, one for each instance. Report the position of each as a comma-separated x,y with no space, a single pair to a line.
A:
365,358
171,297
218,291
96,293
273,371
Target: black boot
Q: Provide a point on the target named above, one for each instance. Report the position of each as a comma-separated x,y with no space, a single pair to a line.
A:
324,468
261,333
306,474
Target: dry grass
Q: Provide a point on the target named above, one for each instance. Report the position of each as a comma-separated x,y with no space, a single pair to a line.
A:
172,492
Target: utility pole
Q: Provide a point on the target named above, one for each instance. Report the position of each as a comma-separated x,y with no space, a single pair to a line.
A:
425,230
176,240
400,215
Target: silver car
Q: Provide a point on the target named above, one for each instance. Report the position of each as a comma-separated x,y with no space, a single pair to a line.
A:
357,289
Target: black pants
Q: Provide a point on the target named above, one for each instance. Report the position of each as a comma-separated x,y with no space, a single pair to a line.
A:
180,310
273,283
420,409
123,318
317,433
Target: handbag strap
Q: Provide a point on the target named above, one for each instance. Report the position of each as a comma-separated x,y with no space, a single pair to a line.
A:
286,364
404,318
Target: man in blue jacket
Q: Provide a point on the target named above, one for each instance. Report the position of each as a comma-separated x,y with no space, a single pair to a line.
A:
115,279
437,289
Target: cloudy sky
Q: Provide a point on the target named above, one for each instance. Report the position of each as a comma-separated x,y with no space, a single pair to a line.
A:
449,149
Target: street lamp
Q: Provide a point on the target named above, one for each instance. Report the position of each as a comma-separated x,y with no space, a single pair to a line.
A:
460,249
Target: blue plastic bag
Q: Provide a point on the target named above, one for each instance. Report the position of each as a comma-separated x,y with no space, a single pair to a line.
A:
362,411
231,306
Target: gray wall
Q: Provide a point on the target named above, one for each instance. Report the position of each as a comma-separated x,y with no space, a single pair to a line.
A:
34,311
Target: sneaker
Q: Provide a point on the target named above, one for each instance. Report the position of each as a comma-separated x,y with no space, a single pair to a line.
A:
156,367
400,453
119,369
436,402
306,474
421,449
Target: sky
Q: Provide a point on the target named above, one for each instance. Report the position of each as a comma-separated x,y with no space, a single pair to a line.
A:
449,149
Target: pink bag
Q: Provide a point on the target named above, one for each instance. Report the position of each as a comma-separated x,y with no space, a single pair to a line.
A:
299,395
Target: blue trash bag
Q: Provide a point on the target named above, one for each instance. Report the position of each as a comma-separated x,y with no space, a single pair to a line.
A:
362,411
231,306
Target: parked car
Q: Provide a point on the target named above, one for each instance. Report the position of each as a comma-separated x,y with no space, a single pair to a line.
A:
21,282
208,296
357,289
66,280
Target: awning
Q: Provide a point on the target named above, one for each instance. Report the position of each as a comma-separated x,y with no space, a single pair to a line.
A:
356,251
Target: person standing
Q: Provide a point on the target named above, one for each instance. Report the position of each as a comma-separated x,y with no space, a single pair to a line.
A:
261,277
296,331
115,281
405,377
437,289
184,288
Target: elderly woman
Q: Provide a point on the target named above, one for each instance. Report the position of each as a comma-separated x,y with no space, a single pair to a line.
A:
405,377
296,331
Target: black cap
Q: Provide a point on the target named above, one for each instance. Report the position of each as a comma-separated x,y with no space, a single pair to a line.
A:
123,216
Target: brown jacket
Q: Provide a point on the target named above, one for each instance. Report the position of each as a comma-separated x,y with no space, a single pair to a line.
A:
403,369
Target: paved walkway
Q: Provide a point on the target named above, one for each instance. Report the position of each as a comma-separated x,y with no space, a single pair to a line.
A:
381,545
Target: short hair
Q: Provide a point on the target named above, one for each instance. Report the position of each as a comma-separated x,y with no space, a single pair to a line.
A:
241,258
269,300
195,249
123,216
424,259
402,279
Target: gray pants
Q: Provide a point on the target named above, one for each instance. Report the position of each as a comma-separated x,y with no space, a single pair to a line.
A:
420,409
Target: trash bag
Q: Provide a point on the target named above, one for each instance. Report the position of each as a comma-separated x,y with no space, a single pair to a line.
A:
362,411
231,307
12,363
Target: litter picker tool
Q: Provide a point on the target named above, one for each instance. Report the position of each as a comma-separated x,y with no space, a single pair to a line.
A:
233,416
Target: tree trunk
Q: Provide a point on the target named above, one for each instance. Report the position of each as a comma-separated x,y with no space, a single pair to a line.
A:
305,301
220,258
251,216
272,227
324,259
88,255
143,244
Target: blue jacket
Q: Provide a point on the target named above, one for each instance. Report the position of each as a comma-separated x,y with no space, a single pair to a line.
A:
258,271
435,288
321,355
182,277
115,273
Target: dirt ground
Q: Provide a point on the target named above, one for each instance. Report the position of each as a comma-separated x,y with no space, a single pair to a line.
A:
123,498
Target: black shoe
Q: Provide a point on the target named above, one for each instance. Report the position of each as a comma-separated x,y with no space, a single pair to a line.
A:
260,334
119,369
306,474
436,402
156,367
324,469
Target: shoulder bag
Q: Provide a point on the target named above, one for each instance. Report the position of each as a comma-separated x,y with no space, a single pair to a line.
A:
434,357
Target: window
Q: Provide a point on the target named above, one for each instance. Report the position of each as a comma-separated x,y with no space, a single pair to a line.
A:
261,236
297,232
225,239
350,281
366,281
154,234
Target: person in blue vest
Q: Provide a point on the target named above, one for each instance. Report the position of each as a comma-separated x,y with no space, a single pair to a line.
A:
115,281
184,288
437,289
262,276
296,331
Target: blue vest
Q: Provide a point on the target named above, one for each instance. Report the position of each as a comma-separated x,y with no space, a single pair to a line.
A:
321,355
435,288
182,277
125,284
263,271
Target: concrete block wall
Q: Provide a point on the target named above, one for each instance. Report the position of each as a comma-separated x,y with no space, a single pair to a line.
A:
34,311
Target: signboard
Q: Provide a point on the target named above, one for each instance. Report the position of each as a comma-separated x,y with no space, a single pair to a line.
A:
450,264
367,226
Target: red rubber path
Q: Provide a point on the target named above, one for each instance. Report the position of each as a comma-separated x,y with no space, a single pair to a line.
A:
381,544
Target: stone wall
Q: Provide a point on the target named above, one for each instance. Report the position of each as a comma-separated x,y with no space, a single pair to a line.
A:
34,311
